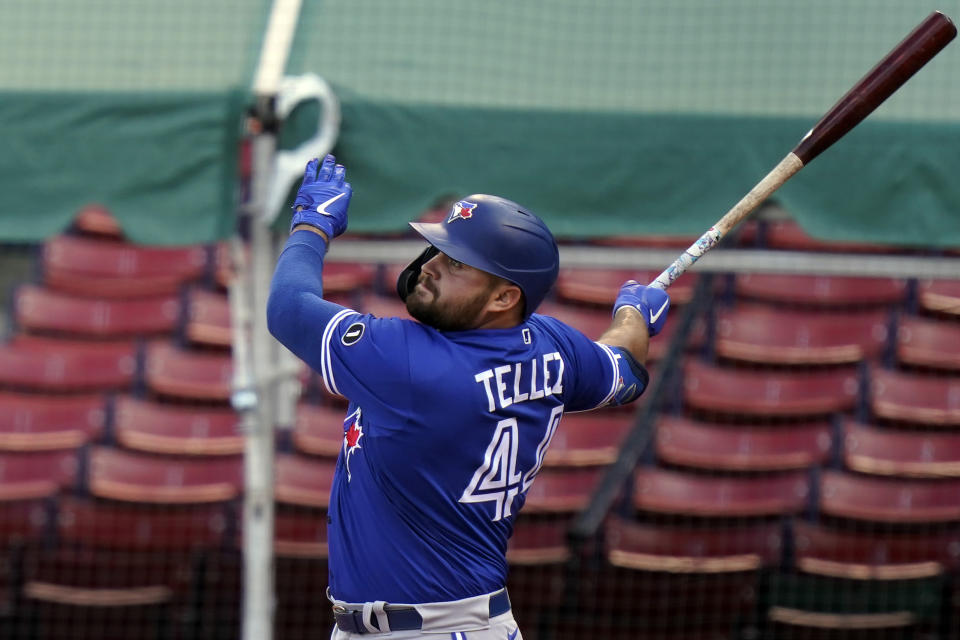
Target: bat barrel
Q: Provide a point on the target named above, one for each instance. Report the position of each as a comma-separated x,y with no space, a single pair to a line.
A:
922,44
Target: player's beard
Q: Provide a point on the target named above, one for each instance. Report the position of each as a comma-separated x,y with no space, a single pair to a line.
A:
444,316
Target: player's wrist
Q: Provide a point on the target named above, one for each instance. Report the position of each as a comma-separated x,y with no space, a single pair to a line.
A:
303,226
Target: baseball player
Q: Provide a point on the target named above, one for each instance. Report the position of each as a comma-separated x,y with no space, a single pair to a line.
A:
449,416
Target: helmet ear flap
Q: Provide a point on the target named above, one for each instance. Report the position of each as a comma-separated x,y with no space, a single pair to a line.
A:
409,276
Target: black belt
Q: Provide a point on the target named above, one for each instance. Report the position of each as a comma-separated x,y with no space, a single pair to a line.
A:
403,618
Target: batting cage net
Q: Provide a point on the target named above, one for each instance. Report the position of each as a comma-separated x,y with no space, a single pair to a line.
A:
793,469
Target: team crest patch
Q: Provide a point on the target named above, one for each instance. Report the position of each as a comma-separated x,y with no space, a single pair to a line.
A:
352,432
462,210
353,334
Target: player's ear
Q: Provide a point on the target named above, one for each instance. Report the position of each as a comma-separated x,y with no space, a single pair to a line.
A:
506,296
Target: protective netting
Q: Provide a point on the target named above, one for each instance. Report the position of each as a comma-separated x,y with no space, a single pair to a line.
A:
799,475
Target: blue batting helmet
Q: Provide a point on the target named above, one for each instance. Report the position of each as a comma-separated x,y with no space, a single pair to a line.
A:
494,235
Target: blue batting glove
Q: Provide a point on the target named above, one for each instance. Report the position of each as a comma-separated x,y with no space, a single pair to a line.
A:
652,303
324,197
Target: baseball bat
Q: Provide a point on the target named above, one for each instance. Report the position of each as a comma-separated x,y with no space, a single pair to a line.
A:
888,75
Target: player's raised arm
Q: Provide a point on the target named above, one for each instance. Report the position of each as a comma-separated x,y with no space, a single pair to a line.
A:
639,312
296,306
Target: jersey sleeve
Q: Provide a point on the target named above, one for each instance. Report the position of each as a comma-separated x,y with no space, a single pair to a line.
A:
596,375
357,355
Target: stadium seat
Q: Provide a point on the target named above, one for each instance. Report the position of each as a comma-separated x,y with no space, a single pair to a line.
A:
588,439
301,573
43,422
691,443
188,374
854,584
683,493
939,296
766,334
688,549
118,474
889,500
208,318
679,581
163,428
41,310
145,527
821,291
874,555
593,321
94,220
904,453
38,474
914,398
382,306
119,567
928,343
110,269
318,429
303,481
599,287
732,391
44,364
560,491
347,277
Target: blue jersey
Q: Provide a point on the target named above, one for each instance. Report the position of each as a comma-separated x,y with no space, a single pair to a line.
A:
444,434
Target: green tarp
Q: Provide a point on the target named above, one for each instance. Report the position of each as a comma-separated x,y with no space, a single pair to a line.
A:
608,117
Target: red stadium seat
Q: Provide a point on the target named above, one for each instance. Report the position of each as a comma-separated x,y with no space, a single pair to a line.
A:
913,398
769,335
766,393
538,541
924,342
319,430
691,549
43,422
903,453
303,481
561,491
145,527
680,581
383,306
940,296
593,321
852,584
208,318
599,287
157,427
682,493
821,291
690,443
118,474
588,439
889,500
347,277
787,235
97,221
51,365
188,374
300,533
120,567
41,310
37,474
110,269
850,553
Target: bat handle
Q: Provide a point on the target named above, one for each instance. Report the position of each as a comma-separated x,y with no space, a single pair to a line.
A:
676,269
770,183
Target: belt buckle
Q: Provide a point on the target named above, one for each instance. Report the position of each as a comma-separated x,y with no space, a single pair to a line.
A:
349,620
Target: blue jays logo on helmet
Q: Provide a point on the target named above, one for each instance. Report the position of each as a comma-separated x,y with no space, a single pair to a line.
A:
462,210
